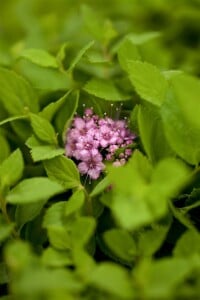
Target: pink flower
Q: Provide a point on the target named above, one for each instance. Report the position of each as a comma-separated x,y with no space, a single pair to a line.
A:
92,139
93,166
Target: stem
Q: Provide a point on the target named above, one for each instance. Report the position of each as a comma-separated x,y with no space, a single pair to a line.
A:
88,199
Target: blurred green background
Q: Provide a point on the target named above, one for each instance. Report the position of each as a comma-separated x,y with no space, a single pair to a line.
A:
48,24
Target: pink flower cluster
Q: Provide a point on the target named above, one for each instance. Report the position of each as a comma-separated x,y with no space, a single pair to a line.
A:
92,139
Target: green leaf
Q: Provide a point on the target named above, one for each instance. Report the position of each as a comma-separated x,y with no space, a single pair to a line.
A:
11,119
66,113
121,243
50,110
82,230
34,190
127,51
104,89
43,129
58,233
80,54
16,93
141,38
141,194
185,140
100,29
54,215
40,57
187,87
160,278
28,212
64,171
55,258
41,151
147,244
152,133
100,187
188,244
5,229
45,282
11,169
45,80
5,148
45,152
75,202
148,81
113,279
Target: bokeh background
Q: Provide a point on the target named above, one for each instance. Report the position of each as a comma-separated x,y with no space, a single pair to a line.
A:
48,24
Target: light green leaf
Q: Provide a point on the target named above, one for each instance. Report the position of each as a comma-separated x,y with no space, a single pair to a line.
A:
141,193
161,277
11,169
141,38
148,81
75,202
58,233
121,243
55,258
43,129
127,51
104,89
64,171
113,279
187,90
54,215
188,244
41,151
40,57
100,187
152,133
34,190
45,152
185,140
16,93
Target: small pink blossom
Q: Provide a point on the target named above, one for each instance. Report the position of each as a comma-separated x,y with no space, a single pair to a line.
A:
92,139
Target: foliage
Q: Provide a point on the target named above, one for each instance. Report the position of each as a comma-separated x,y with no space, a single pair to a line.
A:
133,233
